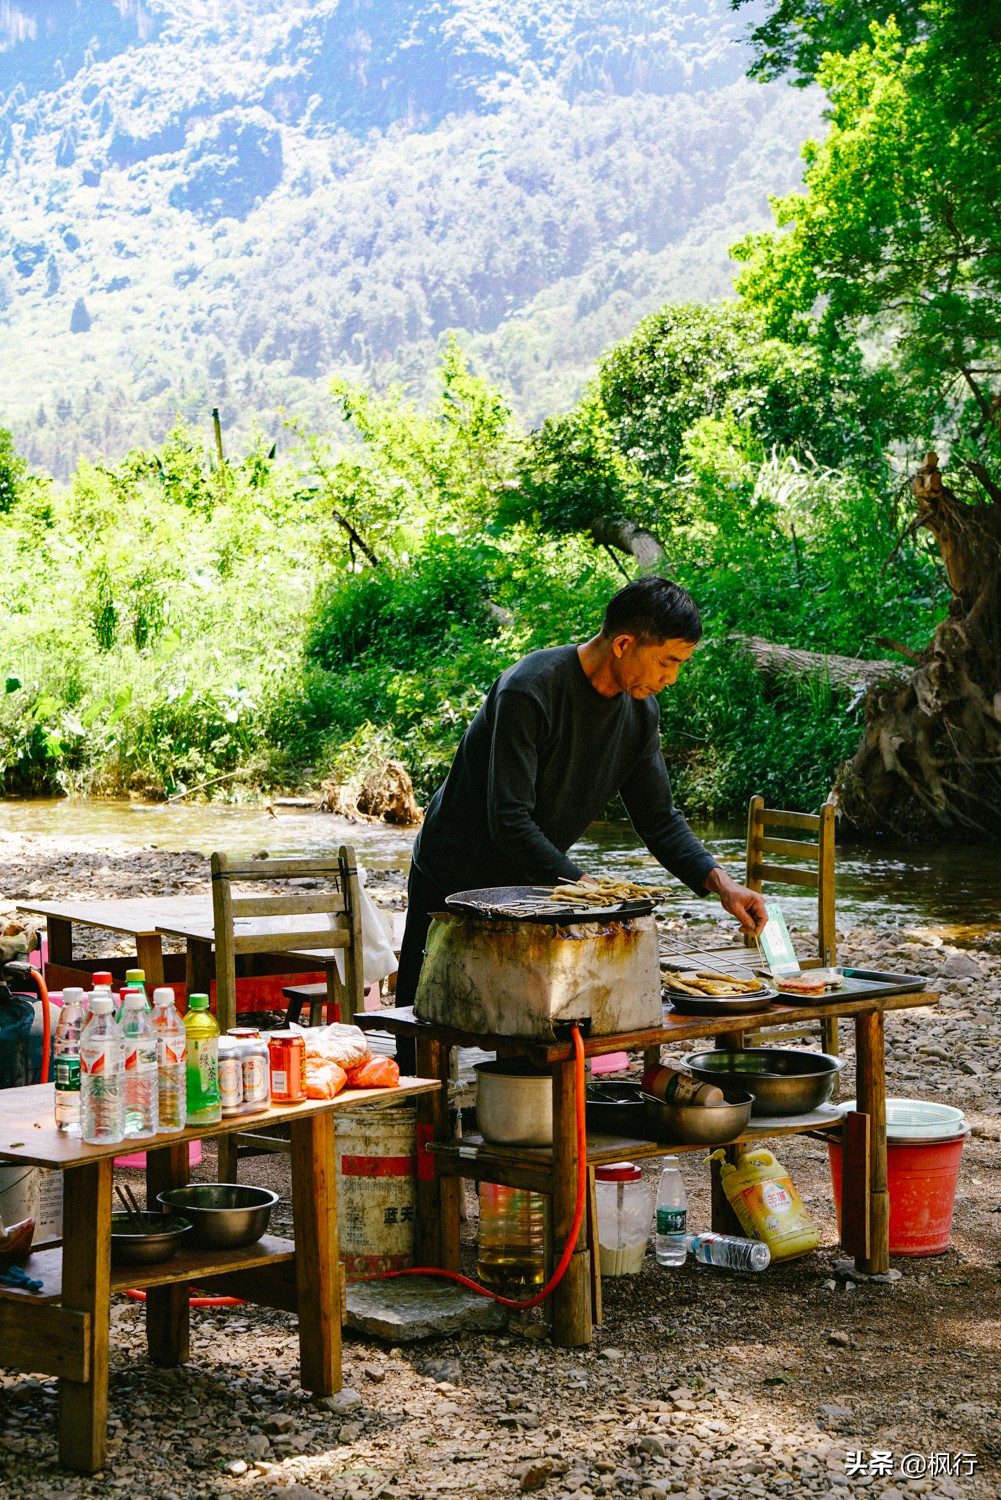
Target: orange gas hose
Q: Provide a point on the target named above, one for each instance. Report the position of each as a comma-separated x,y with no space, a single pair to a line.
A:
578,1218
46,1024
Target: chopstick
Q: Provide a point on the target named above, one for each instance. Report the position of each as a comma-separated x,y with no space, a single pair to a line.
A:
127,1199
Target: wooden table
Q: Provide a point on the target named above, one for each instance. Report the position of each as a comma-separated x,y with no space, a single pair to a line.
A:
576,1303
147,922
139,919
64,1329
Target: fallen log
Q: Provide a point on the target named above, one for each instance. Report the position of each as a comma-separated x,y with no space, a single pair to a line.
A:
841,671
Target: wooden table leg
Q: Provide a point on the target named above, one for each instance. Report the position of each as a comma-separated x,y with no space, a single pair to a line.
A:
167,1307
870,1083
59,935
317,1252
149,957
572,1315
436,1230
83,1405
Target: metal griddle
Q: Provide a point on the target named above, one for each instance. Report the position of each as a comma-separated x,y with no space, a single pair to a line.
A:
534,903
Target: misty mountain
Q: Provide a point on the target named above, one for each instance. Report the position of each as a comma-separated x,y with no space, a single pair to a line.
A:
222,205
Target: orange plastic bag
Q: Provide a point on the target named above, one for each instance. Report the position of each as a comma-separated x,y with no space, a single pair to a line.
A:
376,1073
324,1078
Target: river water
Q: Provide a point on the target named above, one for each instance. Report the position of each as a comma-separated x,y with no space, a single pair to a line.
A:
952,891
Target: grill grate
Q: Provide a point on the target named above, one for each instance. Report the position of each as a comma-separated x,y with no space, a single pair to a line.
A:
527,903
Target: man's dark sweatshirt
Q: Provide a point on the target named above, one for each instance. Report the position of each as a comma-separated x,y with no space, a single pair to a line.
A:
541,760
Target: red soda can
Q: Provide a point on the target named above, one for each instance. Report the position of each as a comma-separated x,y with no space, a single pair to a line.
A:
287,1057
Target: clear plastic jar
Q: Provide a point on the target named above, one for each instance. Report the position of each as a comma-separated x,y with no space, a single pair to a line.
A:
625,1211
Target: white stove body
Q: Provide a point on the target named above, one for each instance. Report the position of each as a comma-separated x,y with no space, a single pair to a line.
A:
514,978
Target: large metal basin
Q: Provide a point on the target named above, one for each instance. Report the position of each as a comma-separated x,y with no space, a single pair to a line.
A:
223,1215
782,1080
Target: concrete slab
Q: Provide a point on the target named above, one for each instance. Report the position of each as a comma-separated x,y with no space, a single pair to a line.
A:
420,1307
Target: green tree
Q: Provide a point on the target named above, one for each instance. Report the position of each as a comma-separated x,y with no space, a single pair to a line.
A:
13,472
895,240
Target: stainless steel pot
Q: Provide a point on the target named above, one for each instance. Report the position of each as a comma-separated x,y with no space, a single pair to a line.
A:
514,1103
783,1080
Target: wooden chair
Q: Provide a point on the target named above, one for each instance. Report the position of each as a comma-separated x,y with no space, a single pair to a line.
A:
818,874
327,919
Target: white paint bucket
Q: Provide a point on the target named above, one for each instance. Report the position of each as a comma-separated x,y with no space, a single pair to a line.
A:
376,1188
31,1193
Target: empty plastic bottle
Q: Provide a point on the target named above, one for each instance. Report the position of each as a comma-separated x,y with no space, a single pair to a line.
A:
729,1250
672,1215
141,1085
66,1061
102,1074
171,1061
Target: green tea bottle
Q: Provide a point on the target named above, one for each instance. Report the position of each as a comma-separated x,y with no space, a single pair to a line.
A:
202,1032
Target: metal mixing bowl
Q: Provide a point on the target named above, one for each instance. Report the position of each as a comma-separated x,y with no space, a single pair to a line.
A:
783,1080
146,1239
699,1124
224,1215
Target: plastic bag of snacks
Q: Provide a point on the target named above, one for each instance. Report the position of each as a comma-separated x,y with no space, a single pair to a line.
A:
324,1078
344,1045
376,1073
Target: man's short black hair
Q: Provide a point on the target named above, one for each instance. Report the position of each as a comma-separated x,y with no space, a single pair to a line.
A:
653,609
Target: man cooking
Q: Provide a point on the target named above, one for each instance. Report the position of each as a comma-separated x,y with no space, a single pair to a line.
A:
558,735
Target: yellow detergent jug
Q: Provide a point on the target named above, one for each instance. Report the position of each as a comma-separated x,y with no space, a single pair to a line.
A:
762,1195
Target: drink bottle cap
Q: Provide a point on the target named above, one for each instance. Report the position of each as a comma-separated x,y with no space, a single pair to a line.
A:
134,1000
670,1161
198,1002
102,979
101,1005
135,976
73,995
163,995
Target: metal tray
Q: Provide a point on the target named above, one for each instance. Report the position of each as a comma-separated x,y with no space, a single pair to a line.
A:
533,903
860,983
719,1005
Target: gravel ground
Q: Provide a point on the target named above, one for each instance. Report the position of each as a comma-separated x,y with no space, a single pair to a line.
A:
801,1381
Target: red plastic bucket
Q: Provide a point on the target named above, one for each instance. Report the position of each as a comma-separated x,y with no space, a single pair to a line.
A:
921,1177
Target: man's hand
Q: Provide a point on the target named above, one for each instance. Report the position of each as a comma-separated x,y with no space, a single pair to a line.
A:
747,906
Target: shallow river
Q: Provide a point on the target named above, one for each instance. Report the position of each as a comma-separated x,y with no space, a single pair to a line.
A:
953,891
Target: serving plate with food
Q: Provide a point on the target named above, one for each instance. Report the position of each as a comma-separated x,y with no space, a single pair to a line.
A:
819,986
710,992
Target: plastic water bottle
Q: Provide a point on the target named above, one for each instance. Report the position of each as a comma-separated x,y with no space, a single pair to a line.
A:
729,1250
204,1101
171,1059
102,1075
141,1088
135,979
672,1215
66,1061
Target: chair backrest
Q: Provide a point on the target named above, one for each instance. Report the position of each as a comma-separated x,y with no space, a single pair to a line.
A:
815,867
303,920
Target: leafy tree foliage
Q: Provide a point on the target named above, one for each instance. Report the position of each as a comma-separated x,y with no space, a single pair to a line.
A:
897,231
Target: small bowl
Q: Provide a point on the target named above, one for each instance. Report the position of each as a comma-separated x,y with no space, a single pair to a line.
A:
700,1124
146,1239
224,1215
